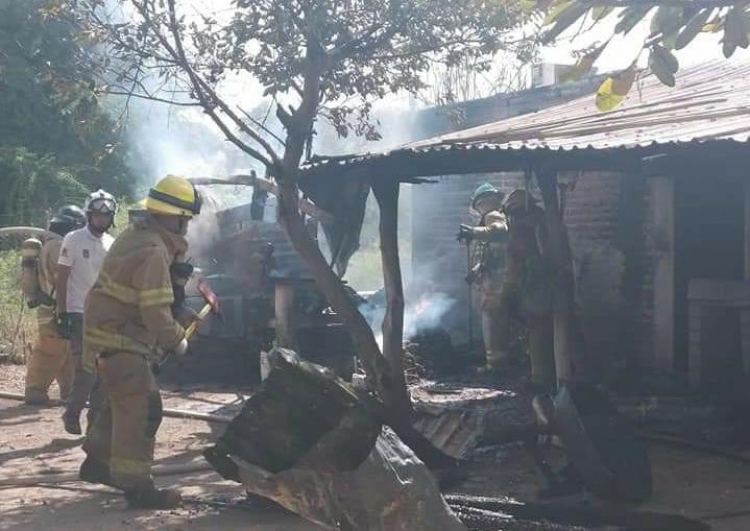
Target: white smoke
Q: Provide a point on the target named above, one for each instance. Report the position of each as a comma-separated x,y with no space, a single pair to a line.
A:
425,313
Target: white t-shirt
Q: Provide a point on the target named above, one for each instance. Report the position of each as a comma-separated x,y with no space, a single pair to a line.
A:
83,253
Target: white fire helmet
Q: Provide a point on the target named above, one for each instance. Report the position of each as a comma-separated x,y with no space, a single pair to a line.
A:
101,201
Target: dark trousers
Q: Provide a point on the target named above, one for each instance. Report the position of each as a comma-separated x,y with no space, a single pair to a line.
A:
83,381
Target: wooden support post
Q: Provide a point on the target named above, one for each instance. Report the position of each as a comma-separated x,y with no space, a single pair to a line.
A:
662,188
747,229
569,343
387,192
745,312
284,312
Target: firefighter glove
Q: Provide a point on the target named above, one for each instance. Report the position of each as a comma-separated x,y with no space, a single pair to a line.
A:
465,233
64,323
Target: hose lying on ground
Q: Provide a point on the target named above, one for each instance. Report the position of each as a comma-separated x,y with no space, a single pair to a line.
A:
173,413
71,477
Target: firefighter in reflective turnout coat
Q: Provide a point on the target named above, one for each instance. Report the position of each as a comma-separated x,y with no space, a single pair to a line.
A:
527,284
128,317
489,238
50,358
513,278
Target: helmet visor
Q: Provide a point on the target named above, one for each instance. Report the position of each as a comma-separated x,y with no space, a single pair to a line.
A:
103,206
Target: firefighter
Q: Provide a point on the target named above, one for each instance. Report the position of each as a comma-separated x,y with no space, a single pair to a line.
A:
80,259
527,285
487,274
50,357
128,318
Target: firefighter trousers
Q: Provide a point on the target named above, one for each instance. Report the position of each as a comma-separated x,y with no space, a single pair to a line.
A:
497,311
496,315
123,434
50,360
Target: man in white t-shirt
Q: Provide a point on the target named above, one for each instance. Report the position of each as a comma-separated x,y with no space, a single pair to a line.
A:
80,260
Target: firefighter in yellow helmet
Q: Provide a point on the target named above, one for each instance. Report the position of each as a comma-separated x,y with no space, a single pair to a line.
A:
127,318
513,278
50,358
527,284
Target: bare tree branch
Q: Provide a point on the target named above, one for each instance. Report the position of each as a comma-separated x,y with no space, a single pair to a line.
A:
149,98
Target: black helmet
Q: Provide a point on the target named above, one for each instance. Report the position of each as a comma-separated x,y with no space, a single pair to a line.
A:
68,218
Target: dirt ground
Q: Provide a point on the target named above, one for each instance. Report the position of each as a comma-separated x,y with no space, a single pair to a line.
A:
32,442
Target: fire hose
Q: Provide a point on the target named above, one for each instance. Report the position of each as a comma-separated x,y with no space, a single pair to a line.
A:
166,470
172,413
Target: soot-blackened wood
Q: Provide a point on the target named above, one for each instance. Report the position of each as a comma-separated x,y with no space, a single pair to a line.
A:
387,193
299,404
569,343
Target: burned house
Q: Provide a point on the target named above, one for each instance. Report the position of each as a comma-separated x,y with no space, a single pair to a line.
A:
656,200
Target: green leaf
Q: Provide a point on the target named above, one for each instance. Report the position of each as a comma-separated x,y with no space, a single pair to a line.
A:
663,64
735,31
667,20
666,57
623,82
555,9
606,99
692,29
600,12
630,17
613,90
566,18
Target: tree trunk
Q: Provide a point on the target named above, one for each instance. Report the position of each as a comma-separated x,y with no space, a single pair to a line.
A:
569,343
386,193
299,127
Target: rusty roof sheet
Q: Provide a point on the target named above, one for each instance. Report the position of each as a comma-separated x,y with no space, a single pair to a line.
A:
709,102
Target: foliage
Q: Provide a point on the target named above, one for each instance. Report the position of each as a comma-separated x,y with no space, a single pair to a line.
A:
33,183
56,141
674,25
350,52
17,324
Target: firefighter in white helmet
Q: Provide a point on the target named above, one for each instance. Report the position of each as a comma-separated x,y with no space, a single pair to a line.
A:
81,257
129,316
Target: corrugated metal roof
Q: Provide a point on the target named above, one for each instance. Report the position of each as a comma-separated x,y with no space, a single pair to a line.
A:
710,102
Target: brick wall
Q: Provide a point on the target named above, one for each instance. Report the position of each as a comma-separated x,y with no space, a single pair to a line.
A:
644,340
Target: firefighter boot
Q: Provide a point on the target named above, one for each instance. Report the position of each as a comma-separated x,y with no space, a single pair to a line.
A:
156,499
72,423
34,397
93,471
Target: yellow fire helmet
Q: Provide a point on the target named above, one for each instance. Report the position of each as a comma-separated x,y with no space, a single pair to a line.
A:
173,196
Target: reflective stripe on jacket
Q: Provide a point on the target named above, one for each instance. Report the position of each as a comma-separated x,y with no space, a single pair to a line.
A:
47,277
128,309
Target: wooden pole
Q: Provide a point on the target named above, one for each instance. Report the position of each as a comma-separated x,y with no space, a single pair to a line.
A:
305,206
284,312
387,193
569,342
664,273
